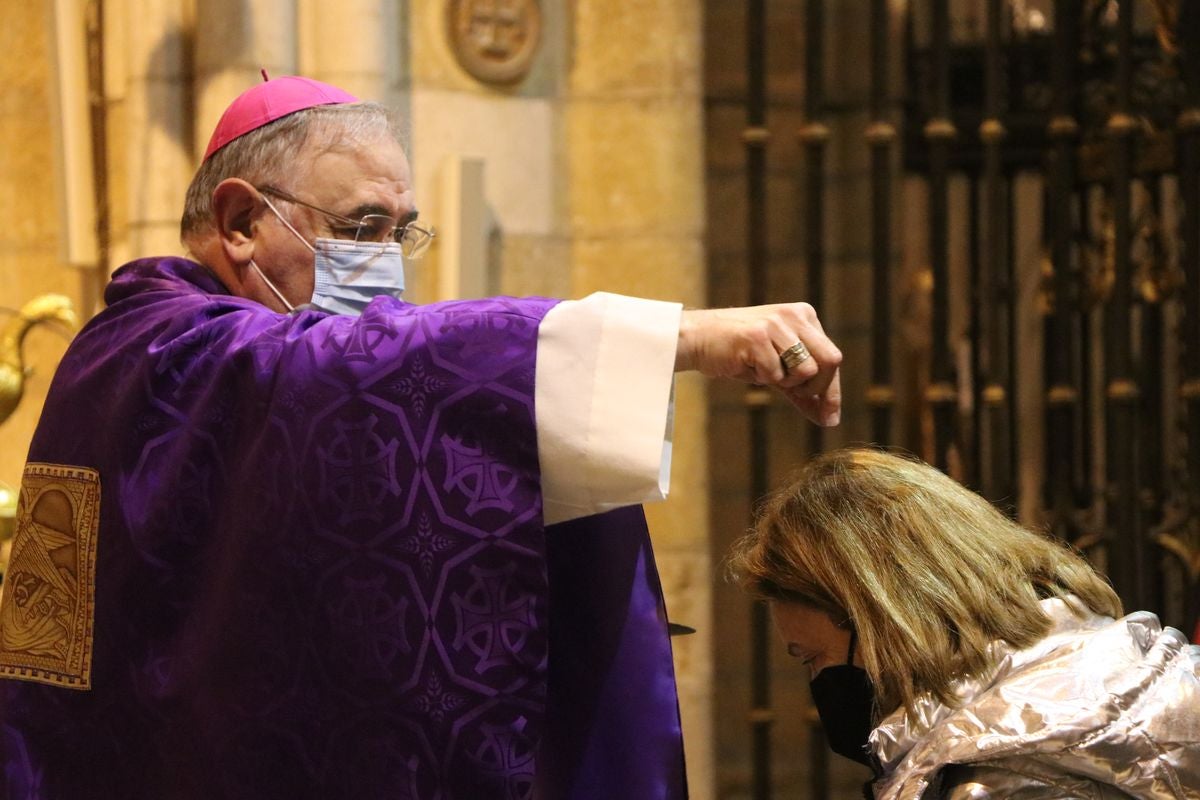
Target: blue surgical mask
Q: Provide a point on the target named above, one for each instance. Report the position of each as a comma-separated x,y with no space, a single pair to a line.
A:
347,275
350,274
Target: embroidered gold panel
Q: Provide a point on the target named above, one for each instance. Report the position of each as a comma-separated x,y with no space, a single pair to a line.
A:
48,604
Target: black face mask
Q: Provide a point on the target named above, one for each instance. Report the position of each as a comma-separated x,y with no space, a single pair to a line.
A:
845,699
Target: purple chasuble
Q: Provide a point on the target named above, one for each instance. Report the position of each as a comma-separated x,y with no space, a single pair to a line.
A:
318,568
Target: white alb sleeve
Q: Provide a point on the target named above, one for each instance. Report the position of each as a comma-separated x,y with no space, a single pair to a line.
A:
604,403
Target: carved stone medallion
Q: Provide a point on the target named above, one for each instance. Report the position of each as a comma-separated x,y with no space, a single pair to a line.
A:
495,40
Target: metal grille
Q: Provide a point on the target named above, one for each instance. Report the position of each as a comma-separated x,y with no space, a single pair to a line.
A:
1074,125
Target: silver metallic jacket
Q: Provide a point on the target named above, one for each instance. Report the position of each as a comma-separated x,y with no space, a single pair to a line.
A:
1100,708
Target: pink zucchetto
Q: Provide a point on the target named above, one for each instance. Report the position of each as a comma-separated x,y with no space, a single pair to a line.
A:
270,100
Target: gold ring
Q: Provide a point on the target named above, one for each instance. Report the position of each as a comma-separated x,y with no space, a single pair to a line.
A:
794,356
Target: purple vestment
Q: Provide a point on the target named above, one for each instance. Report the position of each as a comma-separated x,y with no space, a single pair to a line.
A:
319,567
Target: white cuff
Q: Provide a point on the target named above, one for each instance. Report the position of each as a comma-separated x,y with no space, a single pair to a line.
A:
604,403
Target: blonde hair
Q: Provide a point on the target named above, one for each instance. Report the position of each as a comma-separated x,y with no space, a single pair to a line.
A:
925,571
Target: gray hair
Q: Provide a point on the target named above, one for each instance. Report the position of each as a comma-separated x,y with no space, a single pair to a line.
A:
267,154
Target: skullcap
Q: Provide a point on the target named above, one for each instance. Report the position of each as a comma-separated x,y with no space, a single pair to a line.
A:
269,101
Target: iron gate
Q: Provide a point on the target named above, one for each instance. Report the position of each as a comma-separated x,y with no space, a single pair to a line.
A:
1090,110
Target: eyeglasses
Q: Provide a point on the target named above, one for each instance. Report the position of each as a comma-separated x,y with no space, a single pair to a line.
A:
413,237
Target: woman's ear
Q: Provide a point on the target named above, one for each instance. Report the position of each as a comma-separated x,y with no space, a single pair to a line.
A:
236,205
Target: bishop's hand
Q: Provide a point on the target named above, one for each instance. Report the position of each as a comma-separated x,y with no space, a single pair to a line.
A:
781,345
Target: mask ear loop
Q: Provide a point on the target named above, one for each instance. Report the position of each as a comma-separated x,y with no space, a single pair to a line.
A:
271,286
296,233
850,652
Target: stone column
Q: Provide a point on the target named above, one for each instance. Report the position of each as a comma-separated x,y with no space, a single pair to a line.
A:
635,186
154,135
352,44
234,41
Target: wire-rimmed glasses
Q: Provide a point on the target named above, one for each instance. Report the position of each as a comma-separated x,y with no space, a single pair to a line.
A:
414,237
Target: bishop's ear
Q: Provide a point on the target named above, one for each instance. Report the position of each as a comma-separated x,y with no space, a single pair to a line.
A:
236,204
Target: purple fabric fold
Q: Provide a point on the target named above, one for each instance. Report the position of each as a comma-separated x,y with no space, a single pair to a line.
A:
609,736
321,567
